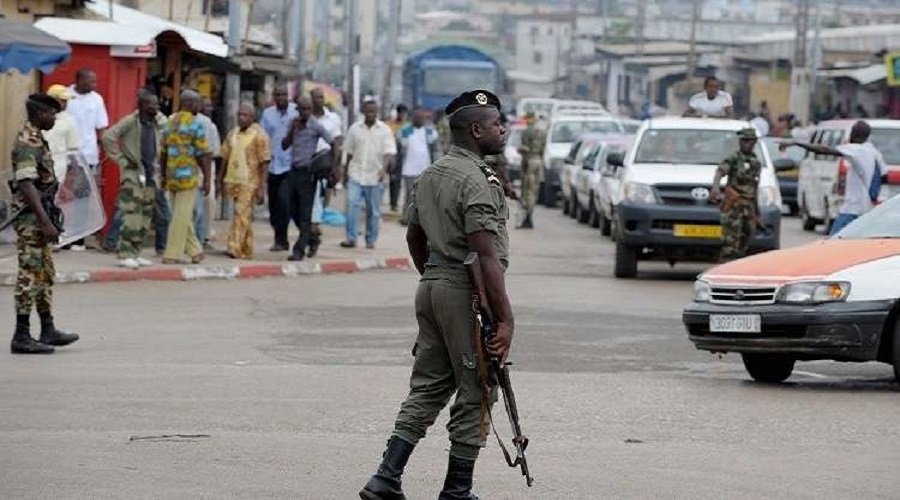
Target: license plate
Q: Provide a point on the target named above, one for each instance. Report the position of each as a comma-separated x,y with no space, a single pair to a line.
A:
735,323
696,231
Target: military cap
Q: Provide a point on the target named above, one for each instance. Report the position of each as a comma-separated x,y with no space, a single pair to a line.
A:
747,133
45,101
472,99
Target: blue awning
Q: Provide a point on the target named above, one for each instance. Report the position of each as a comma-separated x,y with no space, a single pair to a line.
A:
24,47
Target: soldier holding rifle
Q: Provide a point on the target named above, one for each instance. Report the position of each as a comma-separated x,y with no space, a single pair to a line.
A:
458,207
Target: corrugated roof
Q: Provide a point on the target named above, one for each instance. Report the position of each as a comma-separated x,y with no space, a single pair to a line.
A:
88,32
865,75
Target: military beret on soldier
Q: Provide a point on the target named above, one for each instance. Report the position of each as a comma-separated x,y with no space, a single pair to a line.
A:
46,101
747,133
473,99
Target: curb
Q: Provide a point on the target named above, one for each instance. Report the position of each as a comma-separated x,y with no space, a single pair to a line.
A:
240,271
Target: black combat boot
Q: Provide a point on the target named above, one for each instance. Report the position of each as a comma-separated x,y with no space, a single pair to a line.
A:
526,223
458,484
51,336
385,484
23,343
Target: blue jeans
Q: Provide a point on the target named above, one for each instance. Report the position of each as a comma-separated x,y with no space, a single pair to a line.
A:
358,194
199,227
161,217
840,222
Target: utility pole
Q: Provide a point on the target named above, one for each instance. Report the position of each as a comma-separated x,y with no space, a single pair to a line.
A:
351,12
639,26
816,58
323,22
232,80
799,101
692,54
390,54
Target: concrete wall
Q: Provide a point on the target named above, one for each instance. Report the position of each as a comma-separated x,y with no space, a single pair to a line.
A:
776,92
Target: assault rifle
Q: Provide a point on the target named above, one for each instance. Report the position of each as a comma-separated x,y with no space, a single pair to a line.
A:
492,372
48,202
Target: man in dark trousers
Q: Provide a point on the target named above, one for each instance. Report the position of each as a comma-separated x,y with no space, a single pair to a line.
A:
458,207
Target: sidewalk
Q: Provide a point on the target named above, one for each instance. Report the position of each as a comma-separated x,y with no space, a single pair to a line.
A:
95,266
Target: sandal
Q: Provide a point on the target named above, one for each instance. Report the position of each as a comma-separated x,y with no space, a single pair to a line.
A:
166,260
197,258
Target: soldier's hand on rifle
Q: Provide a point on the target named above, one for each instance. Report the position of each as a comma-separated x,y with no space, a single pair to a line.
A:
499,345
715,194
51,234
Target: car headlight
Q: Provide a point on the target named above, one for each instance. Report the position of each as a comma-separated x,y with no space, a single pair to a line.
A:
769,196
702,291
639,193
814,292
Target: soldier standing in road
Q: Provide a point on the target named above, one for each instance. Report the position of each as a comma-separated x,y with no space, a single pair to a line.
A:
532,150
739,211
34,182
458,207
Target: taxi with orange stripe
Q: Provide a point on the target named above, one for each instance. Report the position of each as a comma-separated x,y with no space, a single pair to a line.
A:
835,299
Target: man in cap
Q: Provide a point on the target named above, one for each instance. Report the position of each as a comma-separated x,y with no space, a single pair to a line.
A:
738,204
534,139
63,138
458,207
33,184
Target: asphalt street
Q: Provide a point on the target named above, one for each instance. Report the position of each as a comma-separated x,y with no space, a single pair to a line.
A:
287,388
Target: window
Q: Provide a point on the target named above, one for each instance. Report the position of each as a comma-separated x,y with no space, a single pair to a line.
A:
537,58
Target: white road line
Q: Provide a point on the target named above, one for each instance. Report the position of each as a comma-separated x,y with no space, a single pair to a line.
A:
810,374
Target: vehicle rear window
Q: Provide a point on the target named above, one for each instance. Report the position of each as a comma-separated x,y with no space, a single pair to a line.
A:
705,147
571,130
887,140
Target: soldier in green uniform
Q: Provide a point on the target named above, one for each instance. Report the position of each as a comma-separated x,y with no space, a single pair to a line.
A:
739,205
34,179
532,150
458,207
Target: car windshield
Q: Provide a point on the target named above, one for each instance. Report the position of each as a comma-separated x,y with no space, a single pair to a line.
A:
571,130
882,221
705,147
887,141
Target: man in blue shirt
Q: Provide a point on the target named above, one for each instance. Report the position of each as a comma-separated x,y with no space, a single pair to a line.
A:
276,121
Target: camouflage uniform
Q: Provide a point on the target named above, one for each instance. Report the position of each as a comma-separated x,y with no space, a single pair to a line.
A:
533,141
739,222
31,160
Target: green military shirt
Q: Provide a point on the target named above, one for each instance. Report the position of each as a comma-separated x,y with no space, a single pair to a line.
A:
534,139
31,160
743,173
456,196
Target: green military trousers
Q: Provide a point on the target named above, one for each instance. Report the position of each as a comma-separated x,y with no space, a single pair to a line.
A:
738,224
445,365
136,203
531,182
34,282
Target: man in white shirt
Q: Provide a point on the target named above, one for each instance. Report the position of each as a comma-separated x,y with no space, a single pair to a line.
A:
63,138
865,164
712,102
370,147
418,149
334,125
89,112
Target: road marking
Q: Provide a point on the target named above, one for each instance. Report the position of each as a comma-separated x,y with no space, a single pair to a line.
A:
810,374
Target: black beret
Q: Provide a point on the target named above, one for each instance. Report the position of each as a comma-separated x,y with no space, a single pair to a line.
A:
473,99
46,101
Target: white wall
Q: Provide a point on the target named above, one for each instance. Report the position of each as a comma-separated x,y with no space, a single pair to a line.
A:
542,46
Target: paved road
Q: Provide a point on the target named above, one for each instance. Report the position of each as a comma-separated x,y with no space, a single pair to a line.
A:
286,388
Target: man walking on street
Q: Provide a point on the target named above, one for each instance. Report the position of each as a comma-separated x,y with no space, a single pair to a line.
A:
333,124
89,111
534,139
863,181
738,204
33,184
134,144
185,160
418,148
276,121
370,154
246,155
400,121
458,207
302,140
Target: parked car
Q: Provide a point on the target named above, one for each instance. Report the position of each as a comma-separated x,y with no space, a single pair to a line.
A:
630,125
562,132
571,165
664,210
822,177
835,299
511,152
787,166
594,176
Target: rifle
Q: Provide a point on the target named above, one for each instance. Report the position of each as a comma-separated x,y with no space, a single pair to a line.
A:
48,202
492,372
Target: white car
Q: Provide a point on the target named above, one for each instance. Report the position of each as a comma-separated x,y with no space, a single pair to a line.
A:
664,210
821,177
605,182
569,170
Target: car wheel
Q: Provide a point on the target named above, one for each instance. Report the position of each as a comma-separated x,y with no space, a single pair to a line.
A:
613,226
809,224
550,196
605,224
768,368
793,209
895,355
584,215
573,205
595,214
827,218
626,261
566,207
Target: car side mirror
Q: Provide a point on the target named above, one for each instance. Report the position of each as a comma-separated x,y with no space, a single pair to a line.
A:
784,164
615,159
